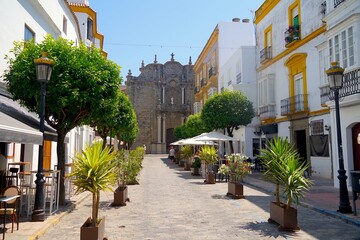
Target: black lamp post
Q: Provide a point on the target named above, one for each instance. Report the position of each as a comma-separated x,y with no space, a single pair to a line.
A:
43,73
335,78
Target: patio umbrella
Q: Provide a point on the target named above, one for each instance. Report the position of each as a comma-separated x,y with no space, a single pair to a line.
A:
191,141
214,136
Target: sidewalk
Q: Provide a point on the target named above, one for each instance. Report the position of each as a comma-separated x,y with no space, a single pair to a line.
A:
322,197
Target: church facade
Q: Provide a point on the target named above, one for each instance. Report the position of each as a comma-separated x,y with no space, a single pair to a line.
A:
162,97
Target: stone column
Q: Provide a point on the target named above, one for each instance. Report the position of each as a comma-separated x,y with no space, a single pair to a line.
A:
164,130
159,128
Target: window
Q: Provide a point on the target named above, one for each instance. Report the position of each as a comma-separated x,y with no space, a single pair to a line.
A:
28,34
162,101
351,46
90,29
341,48
64,25
266,90
182,95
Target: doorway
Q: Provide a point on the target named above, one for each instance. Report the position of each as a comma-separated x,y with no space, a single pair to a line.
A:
301,143
356,146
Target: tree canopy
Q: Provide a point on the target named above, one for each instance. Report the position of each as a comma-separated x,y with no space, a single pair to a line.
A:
82,81
227,110
193,126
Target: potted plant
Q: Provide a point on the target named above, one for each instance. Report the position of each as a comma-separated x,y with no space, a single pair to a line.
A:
93,172
186,155
195,166
208,154
284,167
123,171
238,169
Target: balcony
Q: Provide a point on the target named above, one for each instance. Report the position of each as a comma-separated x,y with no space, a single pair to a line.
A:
265,54
267,111
338,2
212,72
238,78
295,104
324,94
203,82
351,84
292,34
196,89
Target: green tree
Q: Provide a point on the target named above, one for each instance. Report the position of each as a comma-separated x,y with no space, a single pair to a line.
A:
81,82
227,110
126,128
194,125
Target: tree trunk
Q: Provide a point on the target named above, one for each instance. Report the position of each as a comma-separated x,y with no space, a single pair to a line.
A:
95,207
230,134
61,165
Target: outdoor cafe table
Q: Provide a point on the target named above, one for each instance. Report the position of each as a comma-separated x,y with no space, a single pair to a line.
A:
5,199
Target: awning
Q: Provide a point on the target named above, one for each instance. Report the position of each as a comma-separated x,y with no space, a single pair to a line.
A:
19,125
269,129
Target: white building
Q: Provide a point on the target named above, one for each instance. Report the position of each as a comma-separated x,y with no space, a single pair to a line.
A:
239,74
290,36
342,44
25,20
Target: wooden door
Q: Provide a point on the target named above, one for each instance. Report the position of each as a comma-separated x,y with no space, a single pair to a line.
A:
356,146
47,155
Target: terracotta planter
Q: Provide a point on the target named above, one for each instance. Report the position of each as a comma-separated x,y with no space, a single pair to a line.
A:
235,190
187,165
285,217
88,232
120,196
210,178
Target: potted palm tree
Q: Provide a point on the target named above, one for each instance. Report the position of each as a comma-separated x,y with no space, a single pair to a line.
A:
186,154
93,172
284,167
208,154
238,169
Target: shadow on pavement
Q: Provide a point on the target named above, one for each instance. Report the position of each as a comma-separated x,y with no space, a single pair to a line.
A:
268,230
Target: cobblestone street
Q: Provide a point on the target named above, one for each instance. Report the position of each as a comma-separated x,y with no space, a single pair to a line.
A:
169,203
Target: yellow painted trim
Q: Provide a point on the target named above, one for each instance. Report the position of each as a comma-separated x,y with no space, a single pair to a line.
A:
209,44
268,30
92,14
264,9
319,112
296,64
290,9
297,44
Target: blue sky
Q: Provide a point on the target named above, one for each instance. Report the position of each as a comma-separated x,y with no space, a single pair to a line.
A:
136,30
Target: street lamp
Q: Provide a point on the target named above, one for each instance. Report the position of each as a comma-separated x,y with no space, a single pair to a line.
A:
43,73
335,78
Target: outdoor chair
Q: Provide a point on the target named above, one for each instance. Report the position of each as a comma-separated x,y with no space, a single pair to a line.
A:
12,212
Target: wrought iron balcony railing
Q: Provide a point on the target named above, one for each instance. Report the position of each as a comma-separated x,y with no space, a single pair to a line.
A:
203,82
295,104
267,111
238,78
351,84
265,54
338,2
212,72
292,34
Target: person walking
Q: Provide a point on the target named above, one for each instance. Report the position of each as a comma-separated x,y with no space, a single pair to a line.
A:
172,153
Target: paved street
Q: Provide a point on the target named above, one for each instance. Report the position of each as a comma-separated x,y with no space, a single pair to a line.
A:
169,203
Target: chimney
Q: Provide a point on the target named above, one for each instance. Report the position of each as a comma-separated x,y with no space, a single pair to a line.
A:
245,20
236,19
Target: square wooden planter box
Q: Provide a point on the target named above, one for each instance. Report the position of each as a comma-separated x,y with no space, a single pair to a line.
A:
236,190
210,178
285,217
88,232
120,196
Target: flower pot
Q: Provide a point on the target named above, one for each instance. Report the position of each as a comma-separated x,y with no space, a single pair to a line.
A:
285,217
187,166
195,171
88,232
210,178
120,196
181,163
236,190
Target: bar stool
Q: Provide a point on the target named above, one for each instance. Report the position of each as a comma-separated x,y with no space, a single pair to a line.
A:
13,176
